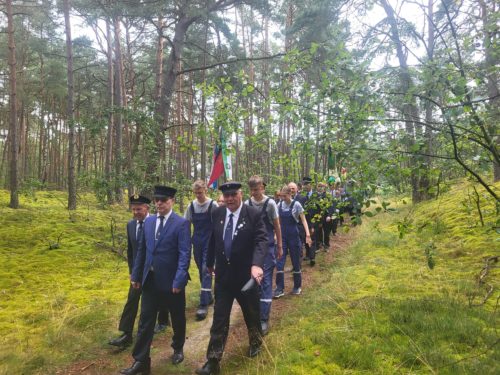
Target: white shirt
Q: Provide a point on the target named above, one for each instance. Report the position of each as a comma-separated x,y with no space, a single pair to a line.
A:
236,215
164,220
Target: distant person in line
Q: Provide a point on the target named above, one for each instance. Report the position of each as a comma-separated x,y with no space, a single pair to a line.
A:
310,210
237,249
199,213
332,216
161,267
297,196
270,216
290,212
319,237
140,209
220,201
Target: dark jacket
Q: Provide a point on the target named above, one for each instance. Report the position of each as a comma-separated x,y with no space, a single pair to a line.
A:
131,244
249,247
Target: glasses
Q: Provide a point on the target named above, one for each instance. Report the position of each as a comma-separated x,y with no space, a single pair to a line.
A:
162,200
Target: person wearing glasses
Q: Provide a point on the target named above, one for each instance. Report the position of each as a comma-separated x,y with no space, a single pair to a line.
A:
161,268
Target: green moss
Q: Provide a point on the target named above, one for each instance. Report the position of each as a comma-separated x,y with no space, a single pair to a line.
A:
60,304
382,310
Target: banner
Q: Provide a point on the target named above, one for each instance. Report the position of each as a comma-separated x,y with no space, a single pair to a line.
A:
226,156
217,167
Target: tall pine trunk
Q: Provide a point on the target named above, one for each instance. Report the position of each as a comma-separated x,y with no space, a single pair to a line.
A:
70,112
13,136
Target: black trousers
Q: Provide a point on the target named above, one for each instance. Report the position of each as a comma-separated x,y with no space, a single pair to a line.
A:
329,227
250,306
154,299
130,310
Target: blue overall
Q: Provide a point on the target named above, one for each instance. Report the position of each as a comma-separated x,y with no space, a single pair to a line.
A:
291,244
202,229
266,286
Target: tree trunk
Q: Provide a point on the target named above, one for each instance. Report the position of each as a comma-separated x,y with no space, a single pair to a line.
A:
13,136
410,110
111,120
70,112
424,181
119,94
491,67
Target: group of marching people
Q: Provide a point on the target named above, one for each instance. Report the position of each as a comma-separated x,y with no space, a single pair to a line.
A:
238,241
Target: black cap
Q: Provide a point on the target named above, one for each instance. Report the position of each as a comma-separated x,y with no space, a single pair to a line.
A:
230,187
139,199
164,192
307,180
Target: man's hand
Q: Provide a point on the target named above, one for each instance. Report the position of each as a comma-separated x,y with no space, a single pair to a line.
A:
211,270
280,251
176,290
135,284
308,240
328,219
257,273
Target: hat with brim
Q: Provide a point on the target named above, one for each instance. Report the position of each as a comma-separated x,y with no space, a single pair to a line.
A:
164,192
139,199
230,187
306,180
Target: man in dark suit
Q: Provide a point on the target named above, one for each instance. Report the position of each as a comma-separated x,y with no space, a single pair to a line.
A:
140,209
161,267
238,247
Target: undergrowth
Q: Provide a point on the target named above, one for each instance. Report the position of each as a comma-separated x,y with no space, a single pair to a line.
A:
383,308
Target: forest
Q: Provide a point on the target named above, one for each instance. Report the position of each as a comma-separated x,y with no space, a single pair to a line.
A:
398,100
114,96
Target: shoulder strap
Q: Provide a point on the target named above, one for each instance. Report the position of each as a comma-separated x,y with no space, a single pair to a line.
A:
250,202
264,207
191,207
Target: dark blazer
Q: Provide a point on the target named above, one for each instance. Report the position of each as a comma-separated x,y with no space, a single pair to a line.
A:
169,256
249,247
131,244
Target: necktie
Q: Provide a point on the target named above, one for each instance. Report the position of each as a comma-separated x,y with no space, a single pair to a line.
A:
228,237
160,227
139,230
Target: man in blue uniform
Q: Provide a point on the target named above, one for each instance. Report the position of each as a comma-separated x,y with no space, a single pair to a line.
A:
161,267
199,212
238,248
140,209
270,216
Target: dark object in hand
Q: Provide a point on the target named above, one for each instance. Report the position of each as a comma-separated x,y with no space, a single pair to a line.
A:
249,286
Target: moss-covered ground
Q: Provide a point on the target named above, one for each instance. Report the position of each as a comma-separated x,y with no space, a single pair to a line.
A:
62,304
378,308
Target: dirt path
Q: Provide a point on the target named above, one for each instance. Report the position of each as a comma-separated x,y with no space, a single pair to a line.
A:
198,333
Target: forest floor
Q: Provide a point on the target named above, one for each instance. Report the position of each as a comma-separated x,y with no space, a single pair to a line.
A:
198,333
410,291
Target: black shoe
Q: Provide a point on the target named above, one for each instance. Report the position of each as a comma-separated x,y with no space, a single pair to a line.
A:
211,367
177,357
123,341
254,350
264,325
137,368
160,328
312,262
202,312
278,293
